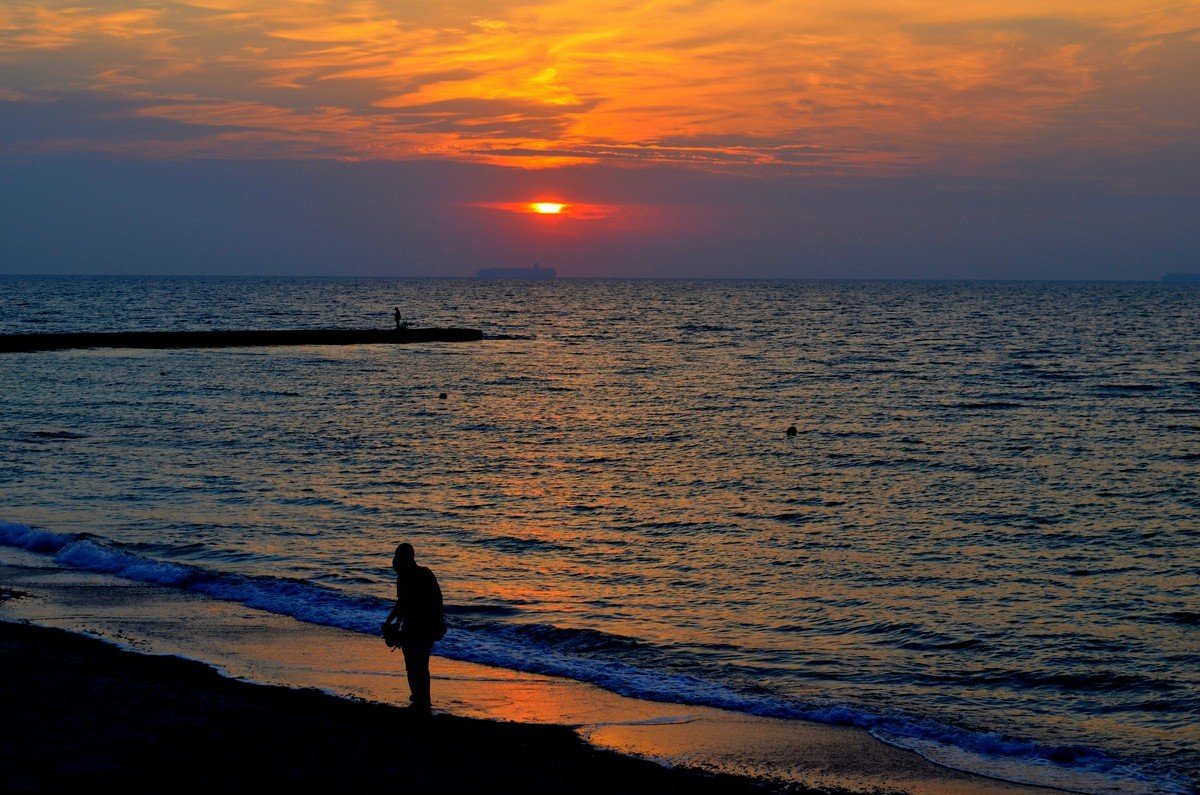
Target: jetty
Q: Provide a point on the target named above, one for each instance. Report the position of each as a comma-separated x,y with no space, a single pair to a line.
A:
24,343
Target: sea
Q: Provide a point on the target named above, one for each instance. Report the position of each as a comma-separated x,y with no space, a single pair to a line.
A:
982,541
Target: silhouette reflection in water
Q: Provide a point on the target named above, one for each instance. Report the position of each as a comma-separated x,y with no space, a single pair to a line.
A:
419,617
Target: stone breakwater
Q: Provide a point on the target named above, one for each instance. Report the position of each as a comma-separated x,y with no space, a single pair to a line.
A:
23,343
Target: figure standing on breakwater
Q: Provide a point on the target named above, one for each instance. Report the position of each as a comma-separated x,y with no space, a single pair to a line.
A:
419,613
400,324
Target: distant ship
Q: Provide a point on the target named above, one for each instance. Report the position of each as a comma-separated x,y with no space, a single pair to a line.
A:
1182,277
536,272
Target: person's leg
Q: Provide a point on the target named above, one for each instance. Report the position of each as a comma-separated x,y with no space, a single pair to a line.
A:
416,665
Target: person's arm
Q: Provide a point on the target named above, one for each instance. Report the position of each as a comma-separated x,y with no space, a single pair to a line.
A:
398,609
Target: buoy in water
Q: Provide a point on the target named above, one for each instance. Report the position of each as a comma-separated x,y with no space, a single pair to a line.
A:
442,396
791,431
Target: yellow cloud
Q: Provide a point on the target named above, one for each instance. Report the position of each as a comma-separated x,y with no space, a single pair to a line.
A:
866,84
28,26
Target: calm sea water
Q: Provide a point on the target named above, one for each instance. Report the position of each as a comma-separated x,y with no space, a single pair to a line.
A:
982,541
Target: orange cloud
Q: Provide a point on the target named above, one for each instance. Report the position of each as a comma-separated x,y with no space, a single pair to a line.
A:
36,26
864,86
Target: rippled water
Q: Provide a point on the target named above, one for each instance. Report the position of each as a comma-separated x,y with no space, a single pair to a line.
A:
984,535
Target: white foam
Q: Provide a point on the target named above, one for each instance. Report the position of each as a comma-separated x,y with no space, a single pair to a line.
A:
31,538
1109,779
93,556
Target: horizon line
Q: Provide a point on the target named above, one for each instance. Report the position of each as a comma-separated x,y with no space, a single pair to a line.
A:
413,277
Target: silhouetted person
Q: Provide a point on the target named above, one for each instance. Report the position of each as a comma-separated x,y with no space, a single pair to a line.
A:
419,611
399,324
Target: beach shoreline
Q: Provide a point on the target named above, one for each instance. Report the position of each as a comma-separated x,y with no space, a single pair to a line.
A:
80,710
257,647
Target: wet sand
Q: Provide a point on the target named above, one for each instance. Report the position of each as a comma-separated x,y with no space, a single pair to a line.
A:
81,712
90,709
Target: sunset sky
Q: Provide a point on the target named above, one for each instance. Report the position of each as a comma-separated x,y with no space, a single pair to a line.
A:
913,139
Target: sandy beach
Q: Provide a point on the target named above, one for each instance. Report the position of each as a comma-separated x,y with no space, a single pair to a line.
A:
81,712
154,696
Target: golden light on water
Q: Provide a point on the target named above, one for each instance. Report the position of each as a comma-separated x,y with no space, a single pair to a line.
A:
547,208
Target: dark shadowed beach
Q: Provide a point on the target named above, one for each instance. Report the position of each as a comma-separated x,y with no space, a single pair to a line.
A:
83,713
111,682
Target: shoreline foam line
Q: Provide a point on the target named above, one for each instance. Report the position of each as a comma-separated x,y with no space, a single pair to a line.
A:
254,738
27,343
320,605
262,647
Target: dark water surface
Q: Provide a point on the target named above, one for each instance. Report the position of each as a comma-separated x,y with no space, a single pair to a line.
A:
982,542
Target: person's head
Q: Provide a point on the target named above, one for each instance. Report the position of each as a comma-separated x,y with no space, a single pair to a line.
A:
404,557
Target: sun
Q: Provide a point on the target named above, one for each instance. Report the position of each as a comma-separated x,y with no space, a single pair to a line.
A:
556,212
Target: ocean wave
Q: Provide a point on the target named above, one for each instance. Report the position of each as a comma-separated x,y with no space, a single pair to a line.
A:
1099,681
33,539
581,654
1186,618
702,328
485,609
1124,389
299,599
57,435
518,546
